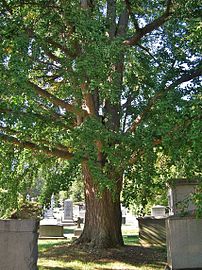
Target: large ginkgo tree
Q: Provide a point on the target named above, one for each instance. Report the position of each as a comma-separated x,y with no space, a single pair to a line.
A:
110,88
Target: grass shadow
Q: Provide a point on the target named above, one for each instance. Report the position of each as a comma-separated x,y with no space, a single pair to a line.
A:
45,245
134,255
68,230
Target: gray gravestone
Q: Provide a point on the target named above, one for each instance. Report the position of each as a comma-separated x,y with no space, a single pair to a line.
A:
68,213
68,209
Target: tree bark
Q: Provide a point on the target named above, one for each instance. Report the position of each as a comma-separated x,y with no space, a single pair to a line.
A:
103,218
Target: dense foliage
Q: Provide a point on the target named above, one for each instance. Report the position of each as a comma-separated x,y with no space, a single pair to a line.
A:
113,83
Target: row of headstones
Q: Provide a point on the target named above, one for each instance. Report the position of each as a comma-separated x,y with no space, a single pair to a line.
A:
70,212
67,214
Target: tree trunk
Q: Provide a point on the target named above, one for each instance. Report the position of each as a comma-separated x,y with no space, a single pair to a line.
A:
102,227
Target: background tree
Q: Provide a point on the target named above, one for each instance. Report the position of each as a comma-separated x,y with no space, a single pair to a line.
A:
104,84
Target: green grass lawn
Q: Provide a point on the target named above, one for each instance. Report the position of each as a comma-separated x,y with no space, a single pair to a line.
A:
60,255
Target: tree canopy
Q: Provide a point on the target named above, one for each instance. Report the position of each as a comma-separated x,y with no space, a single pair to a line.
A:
112,84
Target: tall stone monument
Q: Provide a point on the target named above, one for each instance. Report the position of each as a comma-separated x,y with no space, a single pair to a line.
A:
68,213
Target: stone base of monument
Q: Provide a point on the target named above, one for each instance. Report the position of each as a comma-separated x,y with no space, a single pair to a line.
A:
49,221
67,222
51,231
184,242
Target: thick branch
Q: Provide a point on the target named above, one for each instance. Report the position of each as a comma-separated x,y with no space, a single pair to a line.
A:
141,32
184,78
56,118
123,23
34,147
52,114
10,132
56,101
187,77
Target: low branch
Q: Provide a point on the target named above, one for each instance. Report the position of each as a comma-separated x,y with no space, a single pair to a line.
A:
184,78
56,118
155,24
34,147
11,132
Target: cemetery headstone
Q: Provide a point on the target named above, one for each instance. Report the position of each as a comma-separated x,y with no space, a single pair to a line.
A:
48,214
68,209
68,213
184,242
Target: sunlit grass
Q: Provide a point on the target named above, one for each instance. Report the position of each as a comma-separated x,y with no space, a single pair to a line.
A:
131,239
77,265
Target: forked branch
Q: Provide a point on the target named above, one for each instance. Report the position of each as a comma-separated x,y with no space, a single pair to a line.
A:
155,24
